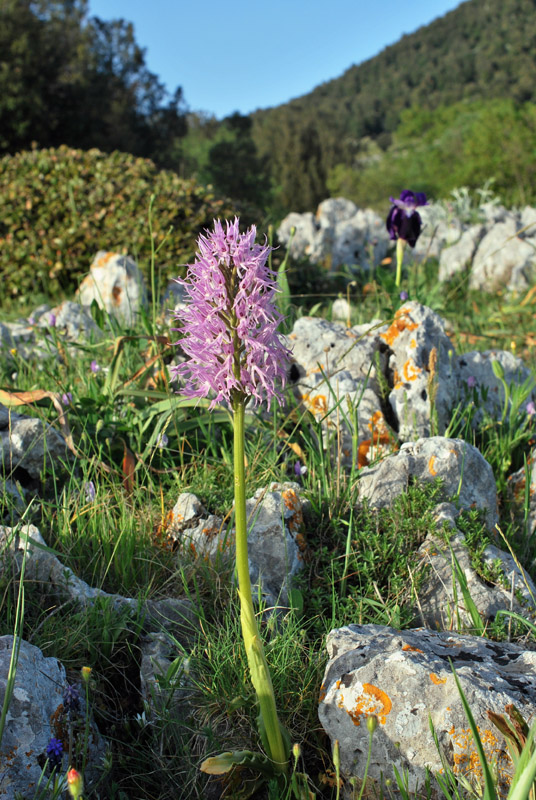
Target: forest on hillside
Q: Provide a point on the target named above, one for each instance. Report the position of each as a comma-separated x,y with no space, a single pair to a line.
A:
449,105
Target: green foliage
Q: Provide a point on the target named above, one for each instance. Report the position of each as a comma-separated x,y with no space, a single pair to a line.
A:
464,55
463,144
60,206
66,79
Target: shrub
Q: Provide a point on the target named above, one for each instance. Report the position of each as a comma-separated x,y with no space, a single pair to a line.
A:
60,206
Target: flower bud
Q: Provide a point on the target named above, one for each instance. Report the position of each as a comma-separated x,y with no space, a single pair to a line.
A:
498,370
372,723
86,674
75,784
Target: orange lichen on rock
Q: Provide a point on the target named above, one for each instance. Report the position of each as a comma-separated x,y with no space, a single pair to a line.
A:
377,422
413,343
436,680
407,647
371,701
363,451
410,371
466,761
317,405
431,469
291,501
103,260
402,322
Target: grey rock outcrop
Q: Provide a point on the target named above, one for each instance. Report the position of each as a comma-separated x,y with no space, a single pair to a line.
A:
339,233
59,581
275,538
402,677
28,443
116,284
462,468
441,603
502,260
33,719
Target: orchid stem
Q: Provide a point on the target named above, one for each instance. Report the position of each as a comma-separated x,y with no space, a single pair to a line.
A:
400,243
258,667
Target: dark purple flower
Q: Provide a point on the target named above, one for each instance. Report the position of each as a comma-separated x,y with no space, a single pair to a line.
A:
471,381
71,698
230,320
54,753
403,221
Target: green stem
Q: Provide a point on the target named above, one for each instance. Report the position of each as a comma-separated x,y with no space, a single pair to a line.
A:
400,243
258,667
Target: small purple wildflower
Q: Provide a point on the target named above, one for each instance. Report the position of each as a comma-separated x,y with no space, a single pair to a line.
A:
230,320
54,753
94,367
31,320
403,221
71,698
299,469
404,296
471,382
52,319
67,398
90,491
531,408
162,441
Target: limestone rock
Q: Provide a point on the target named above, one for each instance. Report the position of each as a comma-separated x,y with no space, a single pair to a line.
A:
73,321
172,614
442,606
464,471
502,260
421,364
116,284
402,678
275,539
27,443
458,256
33,718
475,371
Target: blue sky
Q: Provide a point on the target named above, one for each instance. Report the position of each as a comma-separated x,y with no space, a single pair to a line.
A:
240,56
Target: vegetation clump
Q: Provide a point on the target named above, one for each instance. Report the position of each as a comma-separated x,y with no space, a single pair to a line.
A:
61,205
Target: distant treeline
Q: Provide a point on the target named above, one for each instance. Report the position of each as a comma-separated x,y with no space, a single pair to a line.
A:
450,105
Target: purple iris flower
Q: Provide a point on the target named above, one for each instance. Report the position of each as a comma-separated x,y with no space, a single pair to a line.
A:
67,398
403,221
52,319
404,296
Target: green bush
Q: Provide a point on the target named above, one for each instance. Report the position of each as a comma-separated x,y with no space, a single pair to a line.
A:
58,207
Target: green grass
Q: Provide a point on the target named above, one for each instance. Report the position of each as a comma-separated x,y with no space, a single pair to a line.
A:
360,565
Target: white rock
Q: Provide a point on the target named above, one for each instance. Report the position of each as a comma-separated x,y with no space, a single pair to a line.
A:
402,678
116,284
464,471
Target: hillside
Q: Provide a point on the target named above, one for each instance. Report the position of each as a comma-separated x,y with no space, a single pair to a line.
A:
483,50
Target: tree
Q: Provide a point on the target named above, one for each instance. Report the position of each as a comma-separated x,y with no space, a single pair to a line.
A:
65,79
